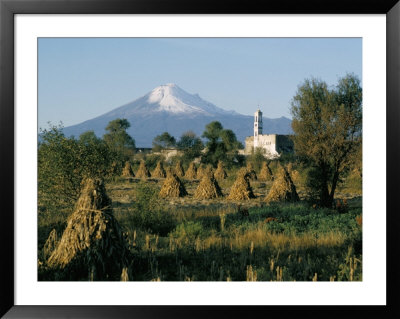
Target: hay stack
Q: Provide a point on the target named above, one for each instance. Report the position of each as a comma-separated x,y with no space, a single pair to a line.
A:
220,173
208,188
241,189
251,172
179,169
92,246
159,171
127,171
294,174
283,188
200,171
50,244
142,172
265,173
172,187
191,172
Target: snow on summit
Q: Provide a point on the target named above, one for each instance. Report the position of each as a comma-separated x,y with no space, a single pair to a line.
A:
172,98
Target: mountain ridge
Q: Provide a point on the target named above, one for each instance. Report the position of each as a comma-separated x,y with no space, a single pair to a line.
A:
168,108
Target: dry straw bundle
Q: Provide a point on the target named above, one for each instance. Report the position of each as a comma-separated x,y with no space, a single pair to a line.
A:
283,188
142,172
127,171
50,244
200,171
294,174
92,246
179,169
220,173
208,188
251,172
241,189
159,171
172,187
265,173
191,172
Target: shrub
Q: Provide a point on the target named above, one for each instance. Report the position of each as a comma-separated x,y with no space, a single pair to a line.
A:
148,213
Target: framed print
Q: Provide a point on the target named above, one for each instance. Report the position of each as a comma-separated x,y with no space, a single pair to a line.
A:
269,191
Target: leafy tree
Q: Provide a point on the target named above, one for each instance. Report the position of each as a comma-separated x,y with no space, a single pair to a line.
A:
328,126
190,145
222,145
88,138
118,139
257,158
163,141
63,163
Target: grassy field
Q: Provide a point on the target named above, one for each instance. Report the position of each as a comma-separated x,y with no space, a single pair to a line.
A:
186,239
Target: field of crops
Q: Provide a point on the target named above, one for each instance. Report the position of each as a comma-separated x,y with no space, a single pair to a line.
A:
190,239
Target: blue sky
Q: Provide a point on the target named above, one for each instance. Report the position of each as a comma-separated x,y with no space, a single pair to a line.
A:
81,78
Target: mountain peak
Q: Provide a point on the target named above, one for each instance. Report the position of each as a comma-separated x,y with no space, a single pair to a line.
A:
168,108
171,98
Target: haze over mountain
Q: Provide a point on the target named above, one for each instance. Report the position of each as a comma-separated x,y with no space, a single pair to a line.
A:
168,108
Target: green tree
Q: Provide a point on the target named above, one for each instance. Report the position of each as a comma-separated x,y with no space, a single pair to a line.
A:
256,158
328,131
190,145
163,141
89,137
63,163
222,145
118,139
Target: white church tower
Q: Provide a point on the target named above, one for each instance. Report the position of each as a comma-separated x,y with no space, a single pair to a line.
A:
257,127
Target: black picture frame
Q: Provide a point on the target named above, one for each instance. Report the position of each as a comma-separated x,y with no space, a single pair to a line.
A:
8,8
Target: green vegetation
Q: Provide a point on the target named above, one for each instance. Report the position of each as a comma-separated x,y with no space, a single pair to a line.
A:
328,126
118,139
191,146
64,162
222,145
163,141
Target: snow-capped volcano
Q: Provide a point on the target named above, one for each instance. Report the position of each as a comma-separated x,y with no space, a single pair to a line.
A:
172,99
168,108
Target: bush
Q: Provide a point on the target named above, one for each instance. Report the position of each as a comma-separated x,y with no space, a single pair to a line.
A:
64,162
189,230
148,213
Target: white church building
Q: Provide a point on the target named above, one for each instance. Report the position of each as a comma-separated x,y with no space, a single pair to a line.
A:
273,145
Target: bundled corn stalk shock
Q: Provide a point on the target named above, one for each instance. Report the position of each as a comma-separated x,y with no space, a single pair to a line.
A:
251,172
220,173
294,174
142,172
200,171
241,189
172,187
283,188
191,172
159,171
50,244
93,246
208,188
179,169
127,171
265,173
